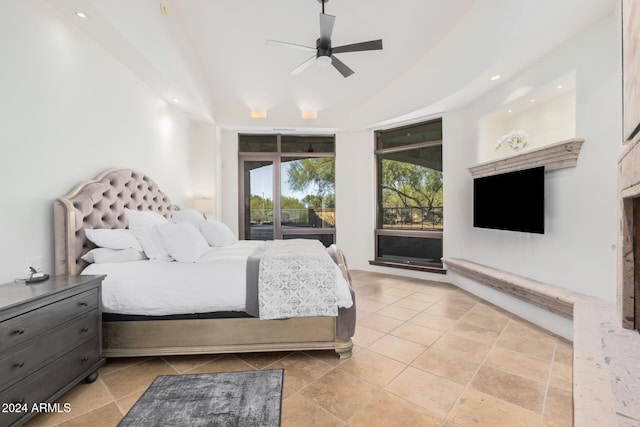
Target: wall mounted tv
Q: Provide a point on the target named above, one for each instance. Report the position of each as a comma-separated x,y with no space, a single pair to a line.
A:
510,201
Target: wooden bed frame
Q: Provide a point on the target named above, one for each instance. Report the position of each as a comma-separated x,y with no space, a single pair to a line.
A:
100,203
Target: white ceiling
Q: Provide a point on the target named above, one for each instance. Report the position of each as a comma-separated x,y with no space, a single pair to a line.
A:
211,55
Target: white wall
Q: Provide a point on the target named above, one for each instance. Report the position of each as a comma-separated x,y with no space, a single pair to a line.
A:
204,157
577,250
69,112
545,121
355,197
229,179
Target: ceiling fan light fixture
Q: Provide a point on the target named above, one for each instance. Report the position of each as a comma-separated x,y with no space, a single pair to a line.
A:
323,61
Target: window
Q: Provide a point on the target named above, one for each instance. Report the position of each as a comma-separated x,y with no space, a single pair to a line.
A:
409,217
287,187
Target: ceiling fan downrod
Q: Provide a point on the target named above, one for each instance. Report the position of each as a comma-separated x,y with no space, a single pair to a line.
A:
323,2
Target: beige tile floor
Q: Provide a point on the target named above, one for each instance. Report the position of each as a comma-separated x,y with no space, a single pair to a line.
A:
426,354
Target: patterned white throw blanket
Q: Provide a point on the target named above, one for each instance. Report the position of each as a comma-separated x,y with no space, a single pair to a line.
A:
297,279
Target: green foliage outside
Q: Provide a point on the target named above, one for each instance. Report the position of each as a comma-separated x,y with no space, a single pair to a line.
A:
411,195
314,173
410,185
303,175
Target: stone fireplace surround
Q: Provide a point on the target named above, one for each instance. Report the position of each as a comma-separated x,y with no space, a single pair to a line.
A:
606,348
628,190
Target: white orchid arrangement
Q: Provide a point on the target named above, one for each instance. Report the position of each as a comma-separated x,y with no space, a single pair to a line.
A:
516,139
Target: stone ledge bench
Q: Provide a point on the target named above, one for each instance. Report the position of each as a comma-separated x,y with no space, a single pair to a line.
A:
606,368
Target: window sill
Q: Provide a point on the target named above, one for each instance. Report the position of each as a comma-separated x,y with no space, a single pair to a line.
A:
409,266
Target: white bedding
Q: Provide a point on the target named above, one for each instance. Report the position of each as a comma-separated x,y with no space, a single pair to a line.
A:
215,283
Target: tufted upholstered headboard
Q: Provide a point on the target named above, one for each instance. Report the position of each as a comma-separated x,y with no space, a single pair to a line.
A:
100,203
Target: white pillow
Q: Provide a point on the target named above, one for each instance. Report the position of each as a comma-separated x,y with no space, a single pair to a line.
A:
217,233
120,238
138,219
191,216
105,255
152,246
183,241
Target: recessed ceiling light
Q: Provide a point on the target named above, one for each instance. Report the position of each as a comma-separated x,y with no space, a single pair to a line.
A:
532,100
258,113
559,86
309,114
509,111
496,77
82,15
176,100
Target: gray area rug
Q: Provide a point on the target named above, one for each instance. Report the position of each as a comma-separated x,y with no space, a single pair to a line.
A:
247,399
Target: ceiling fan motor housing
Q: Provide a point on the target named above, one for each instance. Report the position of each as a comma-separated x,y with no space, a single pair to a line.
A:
323,49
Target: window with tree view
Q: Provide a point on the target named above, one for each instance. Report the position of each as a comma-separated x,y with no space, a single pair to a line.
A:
409,196
287,184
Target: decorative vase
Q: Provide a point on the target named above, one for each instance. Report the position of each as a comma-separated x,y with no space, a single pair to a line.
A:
516,150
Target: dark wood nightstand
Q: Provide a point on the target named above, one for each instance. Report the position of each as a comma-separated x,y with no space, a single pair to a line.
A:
50,340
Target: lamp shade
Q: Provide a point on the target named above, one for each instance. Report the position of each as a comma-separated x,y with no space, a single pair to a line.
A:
203,205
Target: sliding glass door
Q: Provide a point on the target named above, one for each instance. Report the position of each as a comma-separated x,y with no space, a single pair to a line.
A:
258,199
307,198
288,192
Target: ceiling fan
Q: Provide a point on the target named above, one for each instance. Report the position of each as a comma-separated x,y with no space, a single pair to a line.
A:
324,53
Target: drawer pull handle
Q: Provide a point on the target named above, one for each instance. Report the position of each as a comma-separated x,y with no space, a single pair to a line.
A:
19,402
18,364
85,359
19,331
84,304
84,330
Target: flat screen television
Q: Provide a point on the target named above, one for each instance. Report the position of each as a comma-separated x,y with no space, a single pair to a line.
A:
510,201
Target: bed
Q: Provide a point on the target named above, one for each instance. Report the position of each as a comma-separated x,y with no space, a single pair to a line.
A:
102,203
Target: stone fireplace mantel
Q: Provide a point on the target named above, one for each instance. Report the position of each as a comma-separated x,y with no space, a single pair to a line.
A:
559,155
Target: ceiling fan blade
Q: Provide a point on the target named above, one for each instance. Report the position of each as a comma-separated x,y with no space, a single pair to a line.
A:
300,68
341,67
326,28
291,45
357,47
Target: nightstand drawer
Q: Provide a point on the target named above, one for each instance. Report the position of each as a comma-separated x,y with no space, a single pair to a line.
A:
46,383
21,328
26,359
